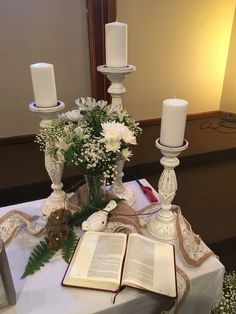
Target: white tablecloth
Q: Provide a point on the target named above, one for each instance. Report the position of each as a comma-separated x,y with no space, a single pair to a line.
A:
42,293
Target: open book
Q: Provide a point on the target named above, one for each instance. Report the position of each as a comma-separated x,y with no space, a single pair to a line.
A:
108,261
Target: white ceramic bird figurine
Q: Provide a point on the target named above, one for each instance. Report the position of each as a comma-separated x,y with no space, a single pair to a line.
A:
97,221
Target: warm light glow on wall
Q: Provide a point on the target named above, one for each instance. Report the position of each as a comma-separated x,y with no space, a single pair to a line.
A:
180,49
228,99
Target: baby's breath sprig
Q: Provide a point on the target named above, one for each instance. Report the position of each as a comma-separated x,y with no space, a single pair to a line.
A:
227,304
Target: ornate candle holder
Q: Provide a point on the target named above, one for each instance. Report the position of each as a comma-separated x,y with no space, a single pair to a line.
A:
116,76
55,170
163,225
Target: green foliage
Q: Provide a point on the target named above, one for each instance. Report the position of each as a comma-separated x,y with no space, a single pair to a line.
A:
69,246
77,218
38,258
227,304
69,154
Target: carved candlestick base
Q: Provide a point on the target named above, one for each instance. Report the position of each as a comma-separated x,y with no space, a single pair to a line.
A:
55,170
116,76
56,199
163,225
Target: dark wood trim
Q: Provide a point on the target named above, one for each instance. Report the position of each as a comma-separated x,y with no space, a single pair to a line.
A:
143,123
100,12
13,140
191,116
196,160
204,115
149,122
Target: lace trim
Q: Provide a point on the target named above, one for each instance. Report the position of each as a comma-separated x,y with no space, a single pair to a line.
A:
120,227
183,287
192,248
14,221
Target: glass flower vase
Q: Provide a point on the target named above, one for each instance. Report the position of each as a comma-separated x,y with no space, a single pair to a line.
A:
95,193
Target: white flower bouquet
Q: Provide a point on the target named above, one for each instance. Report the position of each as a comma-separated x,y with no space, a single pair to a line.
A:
92,137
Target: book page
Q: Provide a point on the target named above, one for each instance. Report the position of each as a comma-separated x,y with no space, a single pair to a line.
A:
150,265
97,261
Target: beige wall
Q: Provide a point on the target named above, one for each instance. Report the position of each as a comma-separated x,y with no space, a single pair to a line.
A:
228,100
53,31
180,49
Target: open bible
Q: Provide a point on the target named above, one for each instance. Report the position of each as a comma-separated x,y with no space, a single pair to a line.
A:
108,261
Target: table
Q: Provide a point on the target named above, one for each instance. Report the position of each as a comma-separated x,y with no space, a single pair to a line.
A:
42,293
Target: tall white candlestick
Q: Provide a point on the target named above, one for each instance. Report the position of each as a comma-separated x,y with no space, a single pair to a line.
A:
44,85
116,44
173,122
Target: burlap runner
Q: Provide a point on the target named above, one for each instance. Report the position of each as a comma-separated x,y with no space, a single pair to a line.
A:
122,219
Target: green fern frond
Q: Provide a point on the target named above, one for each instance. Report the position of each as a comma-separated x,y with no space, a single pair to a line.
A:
38,258
69,246
77,218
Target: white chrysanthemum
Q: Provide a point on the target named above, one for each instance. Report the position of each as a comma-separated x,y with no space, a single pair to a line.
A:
112,146
112,131
73,115
128,136
126,153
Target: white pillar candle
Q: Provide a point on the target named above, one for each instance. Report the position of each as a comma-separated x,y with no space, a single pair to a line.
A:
173,122
44,86
116,44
